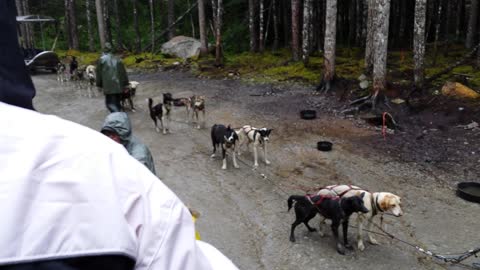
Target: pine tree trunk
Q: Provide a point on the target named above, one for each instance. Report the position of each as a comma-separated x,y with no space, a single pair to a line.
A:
118,25
28,27
203,27
71,18
321,35
438,23
68,36
275,26
364,21
296,29
106,17
458,23
218,29
419,42
261,35
100,22
403,21
286,23
380,47
307,17
171,19
152,24
472,25
359,13
23,31
330,42
448,26
351,21
91,39
138,41
252,25
369,44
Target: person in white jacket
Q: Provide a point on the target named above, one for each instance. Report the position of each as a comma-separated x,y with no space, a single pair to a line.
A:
71,198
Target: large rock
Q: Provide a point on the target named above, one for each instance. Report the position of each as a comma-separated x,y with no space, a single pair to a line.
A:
183,47
459,90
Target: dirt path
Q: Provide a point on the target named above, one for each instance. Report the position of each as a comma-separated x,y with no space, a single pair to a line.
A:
244,210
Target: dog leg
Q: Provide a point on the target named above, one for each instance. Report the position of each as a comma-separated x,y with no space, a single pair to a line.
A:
340,248
164,130
292,230
204,120
234,159
224,159
345,234
320,226
265,154
255,155
360,244
214,150
306,220
372,240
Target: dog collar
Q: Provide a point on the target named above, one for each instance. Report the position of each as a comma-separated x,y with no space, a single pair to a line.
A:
377,206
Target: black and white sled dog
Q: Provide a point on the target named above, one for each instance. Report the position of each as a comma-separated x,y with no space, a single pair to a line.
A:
257,136
61,72
161,111
227,138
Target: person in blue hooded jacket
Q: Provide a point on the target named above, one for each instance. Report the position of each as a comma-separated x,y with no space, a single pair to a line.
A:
117,127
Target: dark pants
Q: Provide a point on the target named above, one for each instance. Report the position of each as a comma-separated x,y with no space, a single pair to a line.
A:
113,102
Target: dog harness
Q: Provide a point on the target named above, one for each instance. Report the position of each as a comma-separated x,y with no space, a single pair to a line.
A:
350,187
322,198
255,132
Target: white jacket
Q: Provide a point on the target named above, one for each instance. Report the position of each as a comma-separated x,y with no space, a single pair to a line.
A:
69,191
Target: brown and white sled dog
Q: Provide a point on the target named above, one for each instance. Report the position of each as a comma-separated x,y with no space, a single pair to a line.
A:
376,203
257,136
198,105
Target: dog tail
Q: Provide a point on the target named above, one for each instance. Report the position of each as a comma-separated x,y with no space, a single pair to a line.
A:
297,198
150,104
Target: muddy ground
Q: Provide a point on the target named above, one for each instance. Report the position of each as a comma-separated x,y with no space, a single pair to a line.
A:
243,211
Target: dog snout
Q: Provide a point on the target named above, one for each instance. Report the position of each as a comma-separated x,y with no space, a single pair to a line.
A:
364,210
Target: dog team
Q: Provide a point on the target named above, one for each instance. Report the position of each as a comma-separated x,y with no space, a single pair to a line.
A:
335,202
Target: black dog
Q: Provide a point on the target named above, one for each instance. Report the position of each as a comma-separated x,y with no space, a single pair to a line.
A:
161,111
332,207
227,138
127,96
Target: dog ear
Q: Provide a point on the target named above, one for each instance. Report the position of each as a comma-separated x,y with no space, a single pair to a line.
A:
362,195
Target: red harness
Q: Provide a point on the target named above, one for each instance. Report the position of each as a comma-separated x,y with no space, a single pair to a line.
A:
322,198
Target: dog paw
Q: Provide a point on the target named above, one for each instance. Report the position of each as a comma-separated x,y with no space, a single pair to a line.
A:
267,162
213,156
340,249
133,110
255,165
361,246
224,168
236,167
158,130
292,239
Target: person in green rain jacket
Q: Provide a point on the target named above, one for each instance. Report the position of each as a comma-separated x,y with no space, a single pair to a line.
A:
112,77
117,126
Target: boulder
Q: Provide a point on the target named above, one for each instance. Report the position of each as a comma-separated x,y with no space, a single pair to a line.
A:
459,90
182,47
